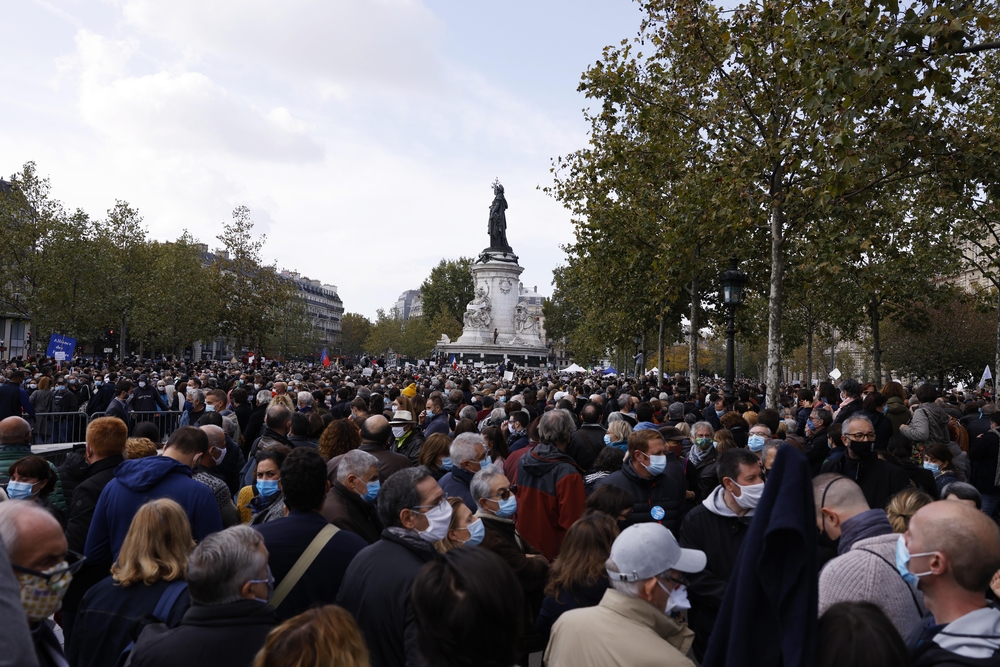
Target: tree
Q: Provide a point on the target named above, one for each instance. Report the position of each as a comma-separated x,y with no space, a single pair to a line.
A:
355,329
444,323
386,333
448,288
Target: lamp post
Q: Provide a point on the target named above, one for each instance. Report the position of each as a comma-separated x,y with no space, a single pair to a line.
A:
635,357
732,294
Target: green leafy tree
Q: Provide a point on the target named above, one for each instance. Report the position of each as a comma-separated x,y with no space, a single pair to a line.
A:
355,329
448,288
386,333
444,323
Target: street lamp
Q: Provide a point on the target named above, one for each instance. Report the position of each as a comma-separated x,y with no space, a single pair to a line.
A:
635,357
732,294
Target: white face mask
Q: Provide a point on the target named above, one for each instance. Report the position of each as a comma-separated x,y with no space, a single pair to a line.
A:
749,496
142,384
677,599
438,520
398,431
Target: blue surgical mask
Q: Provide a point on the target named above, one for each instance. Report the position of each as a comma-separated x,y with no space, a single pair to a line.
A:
486,463
209,407
97,383
372,491
477,531
933,467
903,557
607,439
446,463
755,443
811,425
267,487
719,413
19,490
657,464
507,507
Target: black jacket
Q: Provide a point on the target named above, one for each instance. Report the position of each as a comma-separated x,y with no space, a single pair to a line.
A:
848,410
720,537
84,500
101,399
286,538
72,472
661,491
817,448
255,424
410,448
703,477
116,409
983,452
878,479
376,590
146,399
347,510
225,635
586,443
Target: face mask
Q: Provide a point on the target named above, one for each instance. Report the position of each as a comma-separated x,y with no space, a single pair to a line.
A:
142,384
477,532
607,440
933,467
209,407
162,390
903,557
756,443
394,408
507,508
885,410
221,456
811,425
862,448
40,597
677,599
438,520
256,387
719,413
32,386
657,464
703,443
267,487
503,399
60,387
270,585
398,431
446,463
372,490
19,490
749,496
97,383
486,463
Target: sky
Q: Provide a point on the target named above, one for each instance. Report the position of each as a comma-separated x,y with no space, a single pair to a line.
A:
364,135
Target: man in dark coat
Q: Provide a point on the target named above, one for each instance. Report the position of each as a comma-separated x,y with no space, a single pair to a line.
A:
816,446
588,440
304,484
656,496
14,399
407,439
103,395
983,453
717,526
375,435
468,456
350,503
376,588
119,405
517,431
216,630
880,480
145,398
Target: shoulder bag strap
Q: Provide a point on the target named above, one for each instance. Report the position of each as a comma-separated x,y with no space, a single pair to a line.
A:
303,563
168,599
885,560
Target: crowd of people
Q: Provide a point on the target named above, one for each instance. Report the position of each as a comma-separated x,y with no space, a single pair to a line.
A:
300,516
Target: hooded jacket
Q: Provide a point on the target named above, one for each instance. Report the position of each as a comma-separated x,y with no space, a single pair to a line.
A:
137,482
660,491
970,641
929,425
456,483
550,497
897,413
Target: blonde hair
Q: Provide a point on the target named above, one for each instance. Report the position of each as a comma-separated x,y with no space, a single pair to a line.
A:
283,399
724,441
751,417
619,431
321,637
157,545
903,506
138,448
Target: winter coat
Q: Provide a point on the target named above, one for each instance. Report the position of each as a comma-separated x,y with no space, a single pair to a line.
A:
224,500
897,413
970,641
878,479
861,526
223,635
703,476
409,446
983,453
11,453
137,482
348,511
816,448
586,443
847,410
376,591
660,491
502,539
101,399
147,399
943,479
13,400
108,614
555,606
620,631
550,497
929,425
439,424
715,529
920,477
866,572
287,538
456,484
64,400
85,496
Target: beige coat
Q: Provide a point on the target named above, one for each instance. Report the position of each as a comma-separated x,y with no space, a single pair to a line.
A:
619,632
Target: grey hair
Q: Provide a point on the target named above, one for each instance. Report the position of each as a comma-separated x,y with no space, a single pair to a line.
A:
229,425
224,561
702,425
357,463
463,448
277,415
13,515
624,399
556,427
398,493
855,418
497,416
769,444
482,482
468,412
305,398
197,395
263,396
216,436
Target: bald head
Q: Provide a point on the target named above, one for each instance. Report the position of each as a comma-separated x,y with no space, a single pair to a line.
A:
969,540
15,431
216,436
31,535
376,429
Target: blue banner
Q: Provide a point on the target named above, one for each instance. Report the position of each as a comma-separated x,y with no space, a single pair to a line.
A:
60,347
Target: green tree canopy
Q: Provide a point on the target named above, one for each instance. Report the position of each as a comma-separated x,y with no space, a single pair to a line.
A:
448,288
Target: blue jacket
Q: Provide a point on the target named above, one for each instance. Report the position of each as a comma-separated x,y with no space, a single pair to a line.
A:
137,482
439,424
456,483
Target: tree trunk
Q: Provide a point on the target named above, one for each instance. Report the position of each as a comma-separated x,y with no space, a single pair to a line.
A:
121,345
810,328
693,338
774,301
996,360
874,320
660,350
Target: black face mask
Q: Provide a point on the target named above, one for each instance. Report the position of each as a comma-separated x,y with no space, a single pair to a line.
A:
862,449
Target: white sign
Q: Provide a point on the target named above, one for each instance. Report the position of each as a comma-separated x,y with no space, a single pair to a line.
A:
367,372
108,350
835,374
508,375
60,356
478,364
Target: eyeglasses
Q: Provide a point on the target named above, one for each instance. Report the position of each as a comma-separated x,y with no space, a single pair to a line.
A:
682,581
503,494
860,436
438,505
58,573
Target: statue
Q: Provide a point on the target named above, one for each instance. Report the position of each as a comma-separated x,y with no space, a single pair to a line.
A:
524,323
478,314
498,220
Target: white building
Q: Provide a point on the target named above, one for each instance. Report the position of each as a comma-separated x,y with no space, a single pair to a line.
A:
326,310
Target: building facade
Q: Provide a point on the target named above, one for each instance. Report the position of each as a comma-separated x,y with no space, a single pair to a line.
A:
409,304
326,310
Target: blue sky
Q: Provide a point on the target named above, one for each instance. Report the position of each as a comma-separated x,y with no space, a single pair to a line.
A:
363,135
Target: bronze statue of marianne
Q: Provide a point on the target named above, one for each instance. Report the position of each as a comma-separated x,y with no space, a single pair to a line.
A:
498,220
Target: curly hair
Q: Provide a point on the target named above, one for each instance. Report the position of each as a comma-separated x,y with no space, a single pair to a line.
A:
339,437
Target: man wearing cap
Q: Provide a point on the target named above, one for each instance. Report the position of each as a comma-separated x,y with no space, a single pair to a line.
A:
633,623
408,439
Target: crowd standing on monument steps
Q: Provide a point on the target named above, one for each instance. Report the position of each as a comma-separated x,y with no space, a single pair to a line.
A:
302,516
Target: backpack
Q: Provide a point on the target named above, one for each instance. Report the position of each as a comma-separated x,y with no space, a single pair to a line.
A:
162,612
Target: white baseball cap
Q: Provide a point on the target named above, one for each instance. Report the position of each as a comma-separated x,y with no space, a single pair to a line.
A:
646,550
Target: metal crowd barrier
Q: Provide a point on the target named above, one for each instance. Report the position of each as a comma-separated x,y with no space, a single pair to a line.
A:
54,428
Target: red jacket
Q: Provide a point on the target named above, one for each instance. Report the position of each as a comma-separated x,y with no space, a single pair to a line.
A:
550,497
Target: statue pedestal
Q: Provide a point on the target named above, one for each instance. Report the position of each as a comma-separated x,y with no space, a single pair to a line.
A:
495,307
